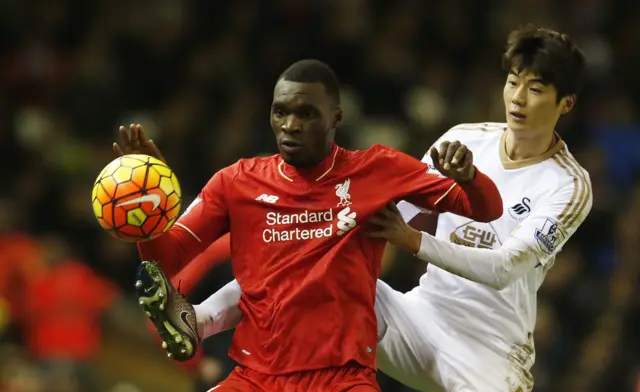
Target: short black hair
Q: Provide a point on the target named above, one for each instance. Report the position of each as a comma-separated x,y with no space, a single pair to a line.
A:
313,71
547,53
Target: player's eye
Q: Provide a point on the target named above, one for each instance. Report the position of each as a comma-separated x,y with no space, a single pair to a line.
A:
512,83
535,90
306,112
278,113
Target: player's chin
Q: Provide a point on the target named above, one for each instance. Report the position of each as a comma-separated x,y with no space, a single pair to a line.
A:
293,159
516,125
288,158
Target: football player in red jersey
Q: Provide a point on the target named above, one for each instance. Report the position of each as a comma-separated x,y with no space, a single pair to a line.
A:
308,279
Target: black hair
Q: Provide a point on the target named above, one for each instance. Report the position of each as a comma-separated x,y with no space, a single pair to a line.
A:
313,71
547,53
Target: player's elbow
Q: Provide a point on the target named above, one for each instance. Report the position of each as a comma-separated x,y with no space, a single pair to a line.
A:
490,211
514,265
489,216
502,281
172,250
499,280
488,206
493,211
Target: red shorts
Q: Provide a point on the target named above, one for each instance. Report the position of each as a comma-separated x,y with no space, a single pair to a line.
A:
342,379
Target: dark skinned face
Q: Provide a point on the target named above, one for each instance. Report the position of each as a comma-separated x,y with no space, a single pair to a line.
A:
304,118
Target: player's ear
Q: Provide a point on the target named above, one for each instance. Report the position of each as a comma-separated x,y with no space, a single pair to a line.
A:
337,117
567,103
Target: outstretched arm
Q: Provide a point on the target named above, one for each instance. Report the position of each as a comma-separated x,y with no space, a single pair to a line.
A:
451,184
534,242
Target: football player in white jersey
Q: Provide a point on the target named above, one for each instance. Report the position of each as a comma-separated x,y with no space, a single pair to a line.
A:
469,323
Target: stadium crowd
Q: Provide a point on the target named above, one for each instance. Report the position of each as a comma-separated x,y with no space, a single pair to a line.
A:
199,75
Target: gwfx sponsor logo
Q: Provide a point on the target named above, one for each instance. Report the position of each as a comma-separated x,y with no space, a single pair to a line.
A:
475,235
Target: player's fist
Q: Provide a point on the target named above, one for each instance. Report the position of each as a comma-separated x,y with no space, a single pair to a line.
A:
135,141
454,160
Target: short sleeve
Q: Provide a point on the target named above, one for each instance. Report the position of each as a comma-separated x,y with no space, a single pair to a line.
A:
549,226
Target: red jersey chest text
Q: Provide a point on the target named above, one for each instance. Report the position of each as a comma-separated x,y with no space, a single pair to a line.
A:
319,214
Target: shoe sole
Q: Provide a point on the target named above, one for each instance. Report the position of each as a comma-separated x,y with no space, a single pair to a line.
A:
153,292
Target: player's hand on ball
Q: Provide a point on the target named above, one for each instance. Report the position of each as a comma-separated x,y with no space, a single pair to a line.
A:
454,160
135,141
389,225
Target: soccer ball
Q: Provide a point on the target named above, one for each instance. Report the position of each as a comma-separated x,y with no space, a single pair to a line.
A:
136,197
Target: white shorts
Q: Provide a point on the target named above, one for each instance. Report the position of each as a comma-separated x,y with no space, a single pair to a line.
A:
417,348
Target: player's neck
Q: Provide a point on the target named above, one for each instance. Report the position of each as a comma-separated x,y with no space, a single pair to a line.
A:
525,145
315,172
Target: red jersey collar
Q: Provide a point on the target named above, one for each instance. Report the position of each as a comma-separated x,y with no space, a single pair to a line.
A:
314,173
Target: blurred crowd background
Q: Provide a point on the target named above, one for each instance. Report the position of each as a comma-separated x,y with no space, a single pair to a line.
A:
199,75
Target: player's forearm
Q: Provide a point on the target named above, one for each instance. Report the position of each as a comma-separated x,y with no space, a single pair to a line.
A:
407,210
220,311
172,251
496,268
479,199
198,268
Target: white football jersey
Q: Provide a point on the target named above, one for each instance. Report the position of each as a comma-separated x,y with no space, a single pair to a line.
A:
545,199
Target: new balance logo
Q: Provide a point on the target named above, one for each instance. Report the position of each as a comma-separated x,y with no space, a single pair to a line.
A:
521,210
267,198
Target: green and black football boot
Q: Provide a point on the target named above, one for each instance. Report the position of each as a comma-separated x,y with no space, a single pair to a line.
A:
170,312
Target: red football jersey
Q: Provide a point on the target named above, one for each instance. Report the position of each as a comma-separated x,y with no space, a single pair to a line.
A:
194,272
308,277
